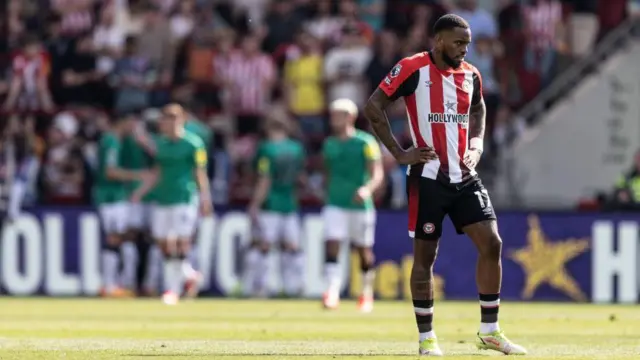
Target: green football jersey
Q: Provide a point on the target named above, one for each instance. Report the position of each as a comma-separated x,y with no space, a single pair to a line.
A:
201,130
133,157
283,161
177,161
347,163
105,190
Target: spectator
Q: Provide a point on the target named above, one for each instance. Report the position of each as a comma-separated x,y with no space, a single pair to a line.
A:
183,21
481,22
281,25
81,78
348,12
325,24
63,178
156,42
485,50
372,12
108,40
77,15
29,88
345,65
133,77
248,76
387,54
544,37
303,82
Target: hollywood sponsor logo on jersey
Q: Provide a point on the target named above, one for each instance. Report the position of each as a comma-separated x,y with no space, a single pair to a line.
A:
450,116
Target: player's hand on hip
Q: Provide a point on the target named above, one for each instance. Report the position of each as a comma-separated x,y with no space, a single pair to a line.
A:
471,158
415,155
362,194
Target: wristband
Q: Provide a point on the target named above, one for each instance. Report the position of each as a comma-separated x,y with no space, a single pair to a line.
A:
476,143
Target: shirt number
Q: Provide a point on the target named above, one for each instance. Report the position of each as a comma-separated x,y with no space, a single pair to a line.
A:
482,195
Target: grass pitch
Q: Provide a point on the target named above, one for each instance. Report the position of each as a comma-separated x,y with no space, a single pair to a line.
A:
92,329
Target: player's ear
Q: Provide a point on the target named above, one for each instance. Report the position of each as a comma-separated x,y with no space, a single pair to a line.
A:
438,40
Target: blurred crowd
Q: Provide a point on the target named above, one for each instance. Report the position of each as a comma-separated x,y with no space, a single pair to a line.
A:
69,65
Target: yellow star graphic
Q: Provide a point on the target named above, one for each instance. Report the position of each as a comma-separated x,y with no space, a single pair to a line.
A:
543,261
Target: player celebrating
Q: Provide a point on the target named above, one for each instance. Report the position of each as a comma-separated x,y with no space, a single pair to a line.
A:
353,172
180,160
274,207
443,96
136,157
110,196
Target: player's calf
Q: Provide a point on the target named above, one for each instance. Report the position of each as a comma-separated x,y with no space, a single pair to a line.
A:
292,269
367,263
425,252
331,297
110,266
192,278
172,269
130,259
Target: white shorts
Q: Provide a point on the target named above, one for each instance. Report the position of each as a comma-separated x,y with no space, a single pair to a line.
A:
171,222
276,227
356,226
113,217
137,216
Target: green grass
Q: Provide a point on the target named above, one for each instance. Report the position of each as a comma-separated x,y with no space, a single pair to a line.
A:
229,329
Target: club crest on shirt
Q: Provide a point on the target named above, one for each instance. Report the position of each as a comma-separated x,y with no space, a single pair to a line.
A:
395,71
466,85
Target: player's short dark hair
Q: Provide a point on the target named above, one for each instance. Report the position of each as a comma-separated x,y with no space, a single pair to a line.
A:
450,22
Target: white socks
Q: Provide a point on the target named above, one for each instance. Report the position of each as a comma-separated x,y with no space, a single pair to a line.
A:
172,275
332,276
292,268
251,258
110,264
486,328
154,264
427,335
368,279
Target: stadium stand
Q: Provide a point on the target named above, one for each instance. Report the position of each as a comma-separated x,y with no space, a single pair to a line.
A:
68,65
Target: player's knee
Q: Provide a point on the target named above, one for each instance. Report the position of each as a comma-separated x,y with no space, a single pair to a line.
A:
331,249
330,256
492,247
264,247
367,259
420,272
289,247
184,247
111,246
165,249
113,241
425,253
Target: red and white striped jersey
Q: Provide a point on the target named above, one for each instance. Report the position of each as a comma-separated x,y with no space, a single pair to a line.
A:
438,104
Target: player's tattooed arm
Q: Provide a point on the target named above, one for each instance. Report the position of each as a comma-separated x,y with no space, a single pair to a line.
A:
477,120
374,111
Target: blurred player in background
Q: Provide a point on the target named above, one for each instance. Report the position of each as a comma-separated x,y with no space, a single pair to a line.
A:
110,196
181,187
353,173
136,250
195,126
274,211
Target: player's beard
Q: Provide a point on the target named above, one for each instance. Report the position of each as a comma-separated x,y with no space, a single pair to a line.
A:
449,61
